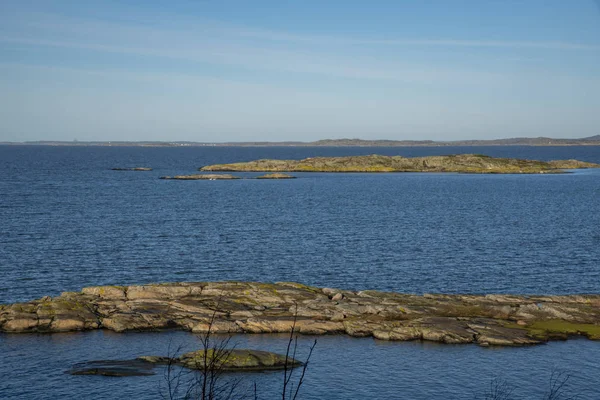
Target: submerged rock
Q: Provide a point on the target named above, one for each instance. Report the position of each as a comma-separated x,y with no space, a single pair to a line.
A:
116,368
464,163
253,307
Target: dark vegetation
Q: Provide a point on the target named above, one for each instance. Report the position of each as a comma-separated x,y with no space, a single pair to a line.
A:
209,380
559,388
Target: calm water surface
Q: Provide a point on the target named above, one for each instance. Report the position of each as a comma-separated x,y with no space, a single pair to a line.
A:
68,221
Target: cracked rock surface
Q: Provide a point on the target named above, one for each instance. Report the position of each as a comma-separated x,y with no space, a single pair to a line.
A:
253,307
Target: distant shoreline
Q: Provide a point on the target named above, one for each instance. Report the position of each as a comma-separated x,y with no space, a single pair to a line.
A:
541,141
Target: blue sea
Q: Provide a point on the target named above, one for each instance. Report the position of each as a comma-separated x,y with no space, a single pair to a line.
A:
68,221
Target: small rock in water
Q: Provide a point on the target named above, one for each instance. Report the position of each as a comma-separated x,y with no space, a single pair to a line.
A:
132,169
276,175
230,360
195,177
233,360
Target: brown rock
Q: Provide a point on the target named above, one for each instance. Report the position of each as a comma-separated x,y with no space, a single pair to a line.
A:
106,292
22,324
337,297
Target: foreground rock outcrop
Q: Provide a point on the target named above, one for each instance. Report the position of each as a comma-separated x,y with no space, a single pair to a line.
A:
465,163
234,360
252,307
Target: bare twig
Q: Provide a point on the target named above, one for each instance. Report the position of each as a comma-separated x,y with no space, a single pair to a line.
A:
559,386
287,371
499,390
209,382
304,367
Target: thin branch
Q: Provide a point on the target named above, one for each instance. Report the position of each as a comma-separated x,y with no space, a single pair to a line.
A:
304,367
559,386
286,379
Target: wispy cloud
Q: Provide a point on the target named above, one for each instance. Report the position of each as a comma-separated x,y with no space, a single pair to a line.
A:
399,42
256,58
213,43
210,28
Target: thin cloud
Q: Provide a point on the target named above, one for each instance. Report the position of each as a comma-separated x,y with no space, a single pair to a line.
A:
292,62
442,42
209,28
214,43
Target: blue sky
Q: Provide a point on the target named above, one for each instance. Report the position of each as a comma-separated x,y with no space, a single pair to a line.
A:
214,71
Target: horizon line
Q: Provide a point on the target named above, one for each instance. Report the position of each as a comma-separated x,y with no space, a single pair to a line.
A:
75,142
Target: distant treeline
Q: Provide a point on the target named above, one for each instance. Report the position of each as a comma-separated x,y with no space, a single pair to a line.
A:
539,141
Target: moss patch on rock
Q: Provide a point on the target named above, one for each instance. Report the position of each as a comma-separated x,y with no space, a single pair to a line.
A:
547,328
232,360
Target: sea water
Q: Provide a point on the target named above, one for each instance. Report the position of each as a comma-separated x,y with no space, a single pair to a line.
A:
68,221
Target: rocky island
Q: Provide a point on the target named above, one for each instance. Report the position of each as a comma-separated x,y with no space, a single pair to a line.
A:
464,163
253,307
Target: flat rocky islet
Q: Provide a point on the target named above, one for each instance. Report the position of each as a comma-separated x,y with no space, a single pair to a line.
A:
132,169
195,177
276,175
462,163
252,307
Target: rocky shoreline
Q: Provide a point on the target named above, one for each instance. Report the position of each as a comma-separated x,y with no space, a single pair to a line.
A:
253,307
462,163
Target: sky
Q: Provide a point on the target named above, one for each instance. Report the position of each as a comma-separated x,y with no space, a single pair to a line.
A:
222,70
